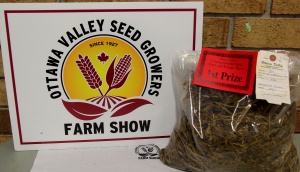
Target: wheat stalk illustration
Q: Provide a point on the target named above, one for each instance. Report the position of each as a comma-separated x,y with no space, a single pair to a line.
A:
89,73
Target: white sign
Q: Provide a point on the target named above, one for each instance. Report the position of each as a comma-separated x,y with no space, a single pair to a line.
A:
94,74
272,77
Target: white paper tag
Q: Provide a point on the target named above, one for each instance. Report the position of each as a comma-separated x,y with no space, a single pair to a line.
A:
272,77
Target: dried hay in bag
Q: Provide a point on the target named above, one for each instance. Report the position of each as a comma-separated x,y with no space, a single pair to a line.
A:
219,131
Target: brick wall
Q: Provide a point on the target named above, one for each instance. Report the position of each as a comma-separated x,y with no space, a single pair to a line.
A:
230,24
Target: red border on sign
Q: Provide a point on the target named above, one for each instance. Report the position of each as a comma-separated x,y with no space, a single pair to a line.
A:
6,12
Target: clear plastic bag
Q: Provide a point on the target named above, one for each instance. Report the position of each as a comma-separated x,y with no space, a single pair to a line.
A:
219,131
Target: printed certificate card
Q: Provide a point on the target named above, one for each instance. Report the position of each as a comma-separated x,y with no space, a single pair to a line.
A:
94,74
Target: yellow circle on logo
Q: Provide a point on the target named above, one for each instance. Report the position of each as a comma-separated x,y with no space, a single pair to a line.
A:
103,66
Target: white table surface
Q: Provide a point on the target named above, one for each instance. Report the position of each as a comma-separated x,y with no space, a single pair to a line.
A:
22,161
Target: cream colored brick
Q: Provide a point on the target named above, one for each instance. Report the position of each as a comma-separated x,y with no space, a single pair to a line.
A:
285,7
3,95
4,138
28,1
266,33
5,126
1,65
113,0
234,6
215,32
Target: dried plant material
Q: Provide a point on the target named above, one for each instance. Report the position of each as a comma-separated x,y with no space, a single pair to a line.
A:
221,131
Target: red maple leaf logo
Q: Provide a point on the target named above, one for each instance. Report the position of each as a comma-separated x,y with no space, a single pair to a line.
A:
103,57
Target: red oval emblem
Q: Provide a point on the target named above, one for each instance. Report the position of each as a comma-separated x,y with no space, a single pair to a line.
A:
272,57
